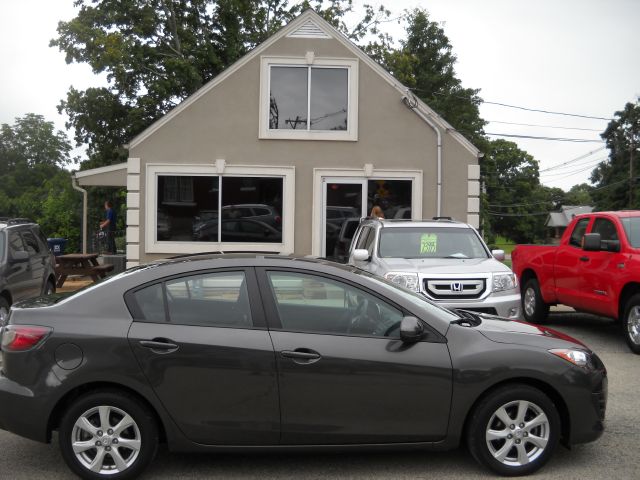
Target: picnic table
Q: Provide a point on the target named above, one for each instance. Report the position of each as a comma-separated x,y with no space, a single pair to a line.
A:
81,264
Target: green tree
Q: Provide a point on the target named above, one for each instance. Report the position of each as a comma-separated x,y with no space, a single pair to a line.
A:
579,194
34,182
425,63
155,53
616,178
515,204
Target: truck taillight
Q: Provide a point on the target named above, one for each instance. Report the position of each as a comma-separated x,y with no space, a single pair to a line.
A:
18,338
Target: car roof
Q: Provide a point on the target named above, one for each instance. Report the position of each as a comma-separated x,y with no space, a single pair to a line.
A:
618,213
404,223
15,222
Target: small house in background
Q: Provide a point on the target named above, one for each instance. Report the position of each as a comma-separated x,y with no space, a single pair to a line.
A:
557,221
280,149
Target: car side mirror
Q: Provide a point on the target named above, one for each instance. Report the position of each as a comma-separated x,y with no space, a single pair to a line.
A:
361,255
411,330
20,256
498,255
591,242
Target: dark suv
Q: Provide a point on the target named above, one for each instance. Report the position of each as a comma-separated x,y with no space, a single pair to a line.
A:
27,267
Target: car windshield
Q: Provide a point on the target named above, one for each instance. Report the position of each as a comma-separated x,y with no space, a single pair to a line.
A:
420,302
430,242
632,230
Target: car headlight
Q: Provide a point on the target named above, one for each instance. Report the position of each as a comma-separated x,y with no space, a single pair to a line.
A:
406,280
579,358
504,281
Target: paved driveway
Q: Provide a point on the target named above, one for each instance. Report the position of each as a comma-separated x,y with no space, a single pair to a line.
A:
614,456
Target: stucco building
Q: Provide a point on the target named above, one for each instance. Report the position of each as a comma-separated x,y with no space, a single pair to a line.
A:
275,152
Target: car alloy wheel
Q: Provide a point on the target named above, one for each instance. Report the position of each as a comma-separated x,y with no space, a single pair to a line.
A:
514,430
4,311
106,440
517,433
529,301
108,434
533,306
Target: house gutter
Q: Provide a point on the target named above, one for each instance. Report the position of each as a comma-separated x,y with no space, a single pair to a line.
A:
84,212
413,104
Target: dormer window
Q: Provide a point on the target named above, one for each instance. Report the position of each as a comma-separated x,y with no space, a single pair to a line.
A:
309,102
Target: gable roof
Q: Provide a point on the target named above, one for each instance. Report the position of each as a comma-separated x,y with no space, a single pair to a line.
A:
565,215
306,24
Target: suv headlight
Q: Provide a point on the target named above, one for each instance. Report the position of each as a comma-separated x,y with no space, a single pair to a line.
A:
406,280
504,281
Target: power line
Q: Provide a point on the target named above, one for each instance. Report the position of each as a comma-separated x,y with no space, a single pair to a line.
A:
546,111
573,159
501,104
576,168
546,126
556,139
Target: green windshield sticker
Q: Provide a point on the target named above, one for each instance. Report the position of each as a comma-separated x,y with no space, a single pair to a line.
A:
428,243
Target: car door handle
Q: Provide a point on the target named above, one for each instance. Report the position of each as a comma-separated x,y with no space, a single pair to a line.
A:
584,259
160,345
301,355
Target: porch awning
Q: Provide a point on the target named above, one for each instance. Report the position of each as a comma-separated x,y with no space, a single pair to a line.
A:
110,176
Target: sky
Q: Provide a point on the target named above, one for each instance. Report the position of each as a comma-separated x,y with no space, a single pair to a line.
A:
571,56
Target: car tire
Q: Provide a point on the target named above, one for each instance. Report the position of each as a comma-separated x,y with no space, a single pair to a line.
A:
49,288
631,323
514,430
533,307
88,448
4,311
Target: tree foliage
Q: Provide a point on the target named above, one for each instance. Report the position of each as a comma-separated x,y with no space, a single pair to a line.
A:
155,53
425,63
515,202
34,184
615,189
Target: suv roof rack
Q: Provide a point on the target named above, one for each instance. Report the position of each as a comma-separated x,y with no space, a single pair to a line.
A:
15,221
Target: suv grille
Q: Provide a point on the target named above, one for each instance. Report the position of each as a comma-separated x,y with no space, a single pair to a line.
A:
455,288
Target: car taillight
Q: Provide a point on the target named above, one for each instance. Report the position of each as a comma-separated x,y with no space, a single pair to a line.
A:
18,338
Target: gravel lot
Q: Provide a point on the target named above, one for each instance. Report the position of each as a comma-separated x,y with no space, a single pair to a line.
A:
614,456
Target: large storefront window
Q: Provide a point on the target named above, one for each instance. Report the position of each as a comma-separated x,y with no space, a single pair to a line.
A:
212,209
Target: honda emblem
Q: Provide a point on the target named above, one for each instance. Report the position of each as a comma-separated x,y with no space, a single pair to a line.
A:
456,286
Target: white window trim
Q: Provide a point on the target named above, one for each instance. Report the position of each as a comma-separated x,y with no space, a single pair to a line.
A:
359,174
351,134
151,200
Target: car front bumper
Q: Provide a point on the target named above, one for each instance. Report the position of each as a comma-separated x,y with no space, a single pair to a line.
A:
507,306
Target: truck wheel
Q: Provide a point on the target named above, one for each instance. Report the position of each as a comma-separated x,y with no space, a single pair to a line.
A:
631,323
533,306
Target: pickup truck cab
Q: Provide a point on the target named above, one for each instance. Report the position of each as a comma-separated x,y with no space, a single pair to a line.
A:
595,269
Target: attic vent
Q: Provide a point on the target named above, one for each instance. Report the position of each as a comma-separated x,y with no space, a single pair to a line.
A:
309,29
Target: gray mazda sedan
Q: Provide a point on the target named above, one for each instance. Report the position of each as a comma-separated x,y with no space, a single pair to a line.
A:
259,352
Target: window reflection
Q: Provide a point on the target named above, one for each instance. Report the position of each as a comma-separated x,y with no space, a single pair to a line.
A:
292,103
392,196
288,98
329,97
188,209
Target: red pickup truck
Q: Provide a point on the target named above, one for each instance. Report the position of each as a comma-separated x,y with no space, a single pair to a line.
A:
595,269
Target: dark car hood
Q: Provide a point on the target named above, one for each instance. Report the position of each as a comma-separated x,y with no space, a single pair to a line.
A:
503,330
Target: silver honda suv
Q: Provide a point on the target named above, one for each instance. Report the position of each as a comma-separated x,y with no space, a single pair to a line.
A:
445,260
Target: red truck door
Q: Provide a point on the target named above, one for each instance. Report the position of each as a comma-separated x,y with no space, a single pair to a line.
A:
600,271
570,259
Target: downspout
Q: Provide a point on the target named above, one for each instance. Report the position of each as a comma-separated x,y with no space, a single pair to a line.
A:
84,212
412,103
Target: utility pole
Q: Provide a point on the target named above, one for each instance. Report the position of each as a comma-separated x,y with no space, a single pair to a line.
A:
631,182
